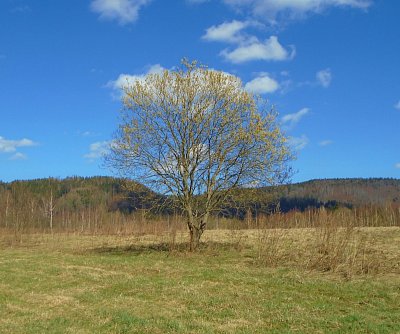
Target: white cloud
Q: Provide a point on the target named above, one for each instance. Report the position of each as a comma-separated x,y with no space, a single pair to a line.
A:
324,77
128,79
298,143
262,84
10,146
293,119
97,150
124,11
226,32
87,133
325,142
18,156
397,105
278,10
270,49
397,165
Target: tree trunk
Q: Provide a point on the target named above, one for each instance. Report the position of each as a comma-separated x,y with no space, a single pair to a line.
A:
196,229
195,234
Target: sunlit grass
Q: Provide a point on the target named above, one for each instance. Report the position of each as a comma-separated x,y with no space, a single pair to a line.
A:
147,284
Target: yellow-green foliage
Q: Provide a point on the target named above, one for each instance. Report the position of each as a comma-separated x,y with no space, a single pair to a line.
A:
195,131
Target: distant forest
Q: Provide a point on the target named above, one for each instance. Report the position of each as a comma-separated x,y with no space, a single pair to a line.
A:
91,201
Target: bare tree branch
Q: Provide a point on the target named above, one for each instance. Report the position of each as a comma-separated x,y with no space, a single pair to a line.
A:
196,134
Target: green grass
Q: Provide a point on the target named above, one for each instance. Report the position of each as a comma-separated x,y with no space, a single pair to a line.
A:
77,284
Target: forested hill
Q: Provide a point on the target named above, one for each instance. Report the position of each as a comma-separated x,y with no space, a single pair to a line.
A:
354,192
77,193
112,194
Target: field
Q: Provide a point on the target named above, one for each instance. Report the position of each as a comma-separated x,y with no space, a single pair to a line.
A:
249,281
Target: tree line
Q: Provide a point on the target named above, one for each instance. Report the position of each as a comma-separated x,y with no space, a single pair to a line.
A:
101,203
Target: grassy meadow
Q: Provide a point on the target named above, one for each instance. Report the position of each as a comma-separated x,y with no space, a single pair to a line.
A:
240,281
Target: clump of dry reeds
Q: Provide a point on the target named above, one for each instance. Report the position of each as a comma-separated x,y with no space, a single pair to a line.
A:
271,246
340,247
333,246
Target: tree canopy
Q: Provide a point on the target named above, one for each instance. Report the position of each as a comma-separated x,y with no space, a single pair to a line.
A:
196,134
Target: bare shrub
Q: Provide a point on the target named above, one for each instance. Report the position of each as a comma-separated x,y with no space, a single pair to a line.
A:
334,246
272,247
171,239
343,249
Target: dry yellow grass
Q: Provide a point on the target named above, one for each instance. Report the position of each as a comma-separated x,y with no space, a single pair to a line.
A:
151,284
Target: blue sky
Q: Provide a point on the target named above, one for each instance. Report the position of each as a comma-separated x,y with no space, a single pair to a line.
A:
330,68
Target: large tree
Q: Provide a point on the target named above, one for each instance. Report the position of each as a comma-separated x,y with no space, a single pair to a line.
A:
196,134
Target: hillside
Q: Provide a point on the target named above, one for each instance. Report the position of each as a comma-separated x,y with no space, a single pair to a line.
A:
110,194
347,192
328,193
75,193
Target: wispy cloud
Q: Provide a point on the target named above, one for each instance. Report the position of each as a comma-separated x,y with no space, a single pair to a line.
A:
123,11
397,165
229,32
18,156
21,9
262,84
281,11
269,50
298,143
324,77
291,120
10,146
397,105
87,133
97,150
325,142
